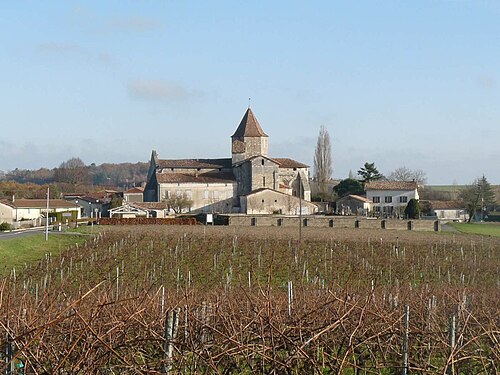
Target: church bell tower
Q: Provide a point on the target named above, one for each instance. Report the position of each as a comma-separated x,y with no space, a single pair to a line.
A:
249,139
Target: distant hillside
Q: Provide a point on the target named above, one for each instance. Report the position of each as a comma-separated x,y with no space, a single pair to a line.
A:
449,192
122,175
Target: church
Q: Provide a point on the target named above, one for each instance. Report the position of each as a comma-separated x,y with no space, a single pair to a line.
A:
249,182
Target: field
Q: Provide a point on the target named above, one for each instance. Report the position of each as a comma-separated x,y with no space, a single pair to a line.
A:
484,229
15,252
149,300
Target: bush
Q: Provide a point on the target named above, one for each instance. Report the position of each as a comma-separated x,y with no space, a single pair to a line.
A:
5,226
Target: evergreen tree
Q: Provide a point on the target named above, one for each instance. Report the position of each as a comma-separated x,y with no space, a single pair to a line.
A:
348,186
369,173
412,210
477,197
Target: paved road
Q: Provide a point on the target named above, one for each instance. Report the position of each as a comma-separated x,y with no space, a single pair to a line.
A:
21,233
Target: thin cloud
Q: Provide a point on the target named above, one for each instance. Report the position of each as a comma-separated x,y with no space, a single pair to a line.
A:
157,90
75,51
486,82
57,48
133,24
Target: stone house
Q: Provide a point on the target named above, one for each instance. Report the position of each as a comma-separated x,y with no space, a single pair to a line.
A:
390,198
135,194
353,204
226,185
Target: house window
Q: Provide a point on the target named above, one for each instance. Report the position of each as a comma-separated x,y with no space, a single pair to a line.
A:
403,199
263,180
388,199
262,161
189,195
178,193
206,194
376,199
262,200
167,194
376,209
216,195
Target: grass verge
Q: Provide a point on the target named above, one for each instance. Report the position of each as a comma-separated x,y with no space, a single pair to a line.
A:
15,252
483,229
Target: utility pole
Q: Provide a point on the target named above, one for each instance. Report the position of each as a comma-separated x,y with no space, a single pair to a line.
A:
47,216
300,208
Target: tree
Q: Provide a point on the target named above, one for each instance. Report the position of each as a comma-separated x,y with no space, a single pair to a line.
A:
406,174
323,161
348,186
72,171
412,210
369,173
178,202
477,197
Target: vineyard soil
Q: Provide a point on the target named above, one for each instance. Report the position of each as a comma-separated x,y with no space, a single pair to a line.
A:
196,299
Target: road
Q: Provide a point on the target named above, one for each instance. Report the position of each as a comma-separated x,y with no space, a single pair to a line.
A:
21,233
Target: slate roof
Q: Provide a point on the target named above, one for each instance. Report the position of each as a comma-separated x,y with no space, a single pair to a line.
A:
195,163
391,185
203,178
289,163
249,126
40,203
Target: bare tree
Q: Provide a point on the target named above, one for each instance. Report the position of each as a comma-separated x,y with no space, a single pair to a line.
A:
178,202
406,174
323,168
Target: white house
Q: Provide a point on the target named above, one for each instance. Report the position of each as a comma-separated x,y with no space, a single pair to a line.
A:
449,210
390,198
19,210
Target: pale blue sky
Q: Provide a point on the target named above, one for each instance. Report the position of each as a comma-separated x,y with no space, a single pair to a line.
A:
397,83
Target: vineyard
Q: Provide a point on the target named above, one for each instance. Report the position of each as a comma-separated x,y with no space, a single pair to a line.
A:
195,299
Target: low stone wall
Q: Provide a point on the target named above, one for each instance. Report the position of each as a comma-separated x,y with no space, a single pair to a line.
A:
147,221
330,222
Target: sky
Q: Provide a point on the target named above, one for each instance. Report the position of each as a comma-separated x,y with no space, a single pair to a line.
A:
397,83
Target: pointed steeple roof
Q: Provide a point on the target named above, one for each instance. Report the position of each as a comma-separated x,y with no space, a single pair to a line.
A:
249,126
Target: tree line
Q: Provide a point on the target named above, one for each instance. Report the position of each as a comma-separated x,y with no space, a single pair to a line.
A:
76,173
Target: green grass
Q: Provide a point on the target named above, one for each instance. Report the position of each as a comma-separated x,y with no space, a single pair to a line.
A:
15,252
478,228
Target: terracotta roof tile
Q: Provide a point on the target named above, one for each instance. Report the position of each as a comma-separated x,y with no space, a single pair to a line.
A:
391,185
135,190
249,126
40,203
447,205
195,163
203,178
152,205
289,163
359,198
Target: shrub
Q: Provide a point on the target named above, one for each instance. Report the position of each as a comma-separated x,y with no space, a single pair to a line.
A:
5,226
